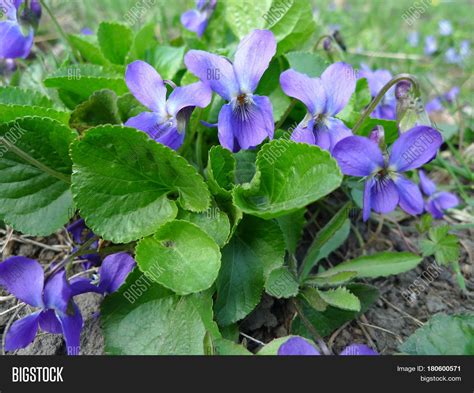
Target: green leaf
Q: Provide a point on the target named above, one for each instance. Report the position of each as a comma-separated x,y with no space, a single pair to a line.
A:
243,16
312,297
125,184
35,171
100,108
128,106
443,335
115,41
180,256
340,298
220,171
213,221
289,176
88,50
16,96
143,318
81,80
143,44
327,240
281,283
443,245
256,249
292,226
168,60
245,166
12,112
378,265
332,318
307,63
292,23
333,280
225,347
358,101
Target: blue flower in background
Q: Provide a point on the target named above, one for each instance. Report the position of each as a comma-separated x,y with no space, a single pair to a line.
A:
16,27
445,27
413,38
196,20
431,45
465,49
436,104
452,57
437,202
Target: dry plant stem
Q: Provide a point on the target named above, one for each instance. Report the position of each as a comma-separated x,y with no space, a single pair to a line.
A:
367,335
382,92
252,339
335,334
417,321
386,55
382,330
57,248
321,344
70,258
75,56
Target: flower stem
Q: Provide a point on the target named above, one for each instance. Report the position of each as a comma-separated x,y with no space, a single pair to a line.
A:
61,32
285,115
382,92
321,344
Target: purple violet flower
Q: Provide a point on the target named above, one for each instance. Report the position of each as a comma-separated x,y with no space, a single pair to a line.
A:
298,346
437,202
24,278
196,20
436,104
387,108
166,123
76,229
385,186
431,45
86,31
452,57
465,49
324,98
247,119
113,273
13,42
